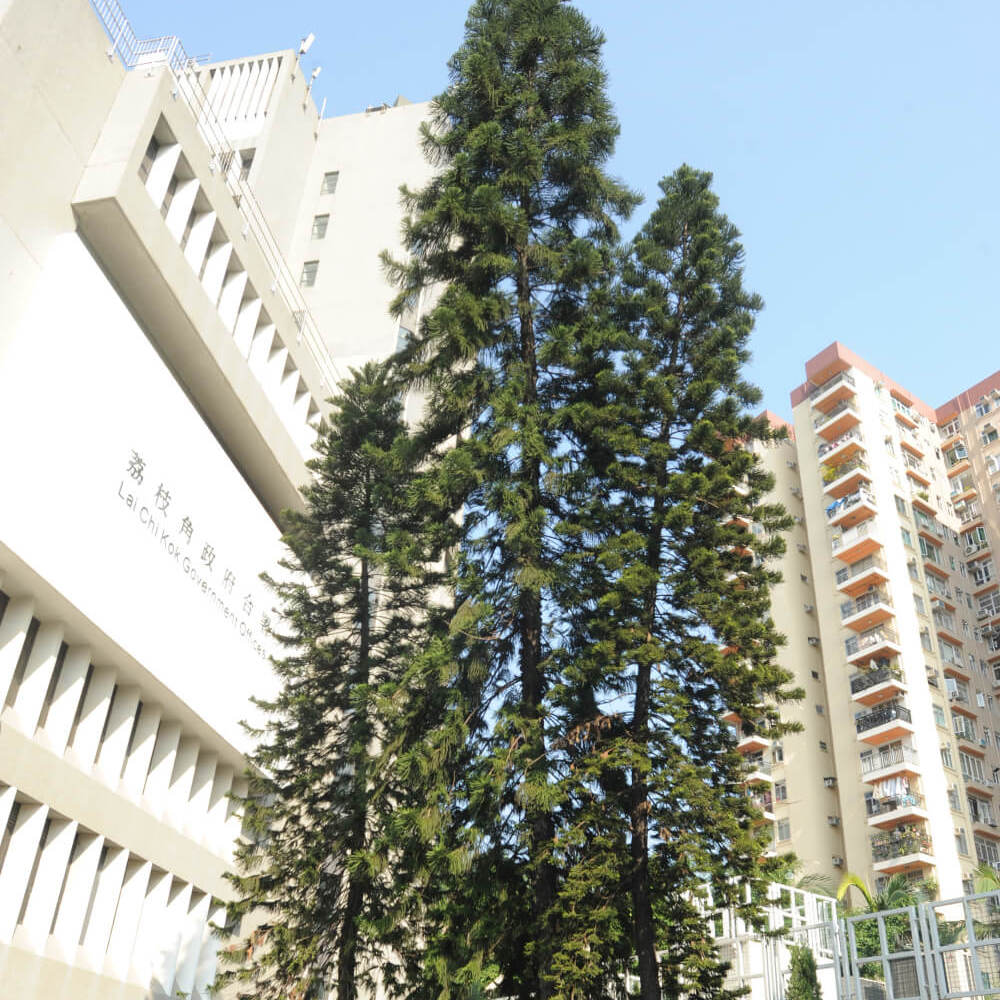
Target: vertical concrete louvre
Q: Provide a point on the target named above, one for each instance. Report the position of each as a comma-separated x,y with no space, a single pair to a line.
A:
201,794
126,921
93,715
161,765
76,893
181,780
168,936
231,297
66,697
161,172
181,207
37,675
199,239
189,950
151,933
18,864
13,631
108,885
48,881
141,752
121,718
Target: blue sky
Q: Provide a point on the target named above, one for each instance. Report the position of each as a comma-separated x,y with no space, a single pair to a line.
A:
856,146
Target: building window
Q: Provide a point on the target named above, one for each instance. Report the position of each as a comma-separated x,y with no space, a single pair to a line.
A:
784,829
960,842
781,791
822,745
309,271
320,222
907,538
946,757
939,715
330,182
918,603
777,753
815,674
819,709
982,407
900,504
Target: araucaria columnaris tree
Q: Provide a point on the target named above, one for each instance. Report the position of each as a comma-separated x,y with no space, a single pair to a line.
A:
674,586
517,226
357,613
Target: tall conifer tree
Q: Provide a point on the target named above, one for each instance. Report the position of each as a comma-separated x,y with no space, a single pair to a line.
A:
517,226
359,620
673,590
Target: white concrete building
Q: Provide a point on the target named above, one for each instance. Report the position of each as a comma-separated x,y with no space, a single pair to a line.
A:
175,312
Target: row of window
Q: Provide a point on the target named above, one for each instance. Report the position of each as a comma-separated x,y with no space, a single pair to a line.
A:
320,224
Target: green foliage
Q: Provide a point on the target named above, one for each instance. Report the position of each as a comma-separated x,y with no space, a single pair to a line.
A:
803,983
357,625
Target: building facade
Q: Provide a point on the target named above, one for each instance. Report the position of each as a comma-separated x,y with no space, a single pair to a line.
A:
890,604
188,263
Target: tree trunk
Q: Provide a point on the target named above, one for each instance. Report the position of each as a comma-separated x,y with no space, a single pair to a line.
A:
540,821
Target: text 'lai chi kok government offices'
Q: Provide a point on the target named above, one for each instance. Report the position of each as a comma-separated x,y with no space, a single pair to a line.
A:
189,259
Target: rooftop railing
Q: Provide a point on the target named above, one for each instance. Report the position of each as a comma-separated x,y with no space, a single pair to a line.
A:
827,446
167,50
841,407
830,383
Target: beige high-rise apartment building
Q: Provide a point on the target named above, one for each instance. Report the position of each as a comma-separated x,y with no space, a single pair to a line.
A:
188,262
889,601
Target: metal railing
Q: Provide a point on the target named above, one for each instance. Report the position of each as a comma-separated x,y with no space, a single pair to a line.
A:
827,446
753,764
892,803
897,846
830,383
864,602
880,716
873,637
860,567
888,758
841,407
880,675
846,503
832,474
168,51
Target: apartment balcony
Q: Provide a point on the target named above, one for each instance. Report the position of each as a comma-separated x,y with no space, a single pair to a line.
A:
963,494
922,500
764,801
901,851
970,515
886,813
877,644
984,827
890,762
982,785
959,466
856,543
912,445
834,390
862,575
757,770
837,421
871,687
847,478
884,724
947,629
968,741
867,611
904,414
843,448
931,530
916,471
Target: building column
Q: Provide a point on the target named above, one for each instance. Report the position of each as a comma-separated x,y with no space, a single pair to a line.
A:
180,782
102,912
165,961
234,812
111,755
7,796
260,349
151,934
27,707
13,631
218,809
126,922
161,767
231,297
49,877
96,703
199,239
161,170
66,698
17,865
141,753
76,893
190,946
208,958
215,269
246,323
201,795
181,207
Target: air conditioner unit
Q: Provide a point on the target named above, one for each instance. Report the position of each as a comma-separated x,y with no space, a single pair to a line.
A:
833,820
837,861
952,695
796,492
791,464
971,549
809,609
830,781
981,614
801,547
813,640
982,742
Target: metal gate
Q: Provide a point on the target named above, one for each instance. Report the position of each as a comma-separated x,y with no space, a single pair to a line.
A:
947,950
